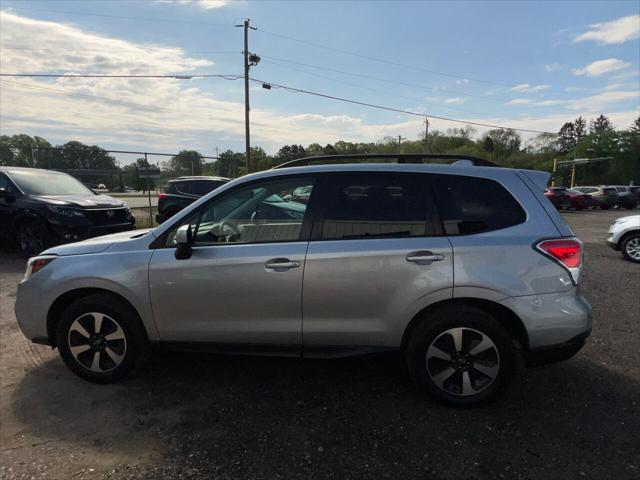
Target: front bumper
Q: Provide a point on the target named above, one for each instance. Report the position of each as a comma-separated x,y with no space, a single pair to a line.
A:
66,234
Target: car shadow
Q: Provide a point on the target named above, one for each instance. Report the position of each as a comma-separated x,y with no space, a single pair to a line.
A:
252,417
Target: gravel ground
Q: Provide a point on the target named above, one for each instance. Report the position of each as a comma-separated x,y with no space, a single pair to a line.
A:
207,416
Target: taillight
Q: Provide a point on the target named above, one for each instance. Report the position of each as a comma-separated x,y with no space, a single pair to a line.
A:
566,251
162,195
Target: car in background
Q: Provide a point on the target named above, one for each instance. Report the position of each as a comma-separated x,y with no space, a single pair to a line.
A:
635,190
579,200
626,198
603,197
183,191
624,236
43,208
559,197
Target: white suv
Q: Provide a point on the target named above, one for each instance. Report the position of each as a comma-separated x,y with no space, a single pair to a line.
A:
624,236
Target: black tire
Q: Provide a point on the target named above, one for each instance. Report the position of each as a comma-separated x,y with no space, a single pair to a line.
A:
133,351
33,237
476,325
627,246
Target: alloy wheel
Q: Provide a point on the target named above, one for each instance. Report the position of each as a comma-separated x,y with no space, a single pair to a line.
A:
97,342
463,361
633,248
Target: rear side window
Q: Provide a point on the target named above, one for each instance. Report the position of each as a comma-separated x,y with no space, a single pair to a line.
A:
473,205
202,187
608,191
375,206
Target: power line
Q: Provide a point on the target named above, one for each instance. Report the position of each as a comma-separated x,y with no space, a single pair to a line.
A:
429,88
392,109
71,75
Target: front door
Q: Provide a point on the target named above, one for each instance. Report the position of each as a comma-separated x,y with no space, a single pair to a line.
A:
243,282
377,257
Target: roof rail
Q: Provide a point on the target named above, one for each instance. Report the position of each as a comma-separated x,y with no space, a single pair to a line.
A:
460,160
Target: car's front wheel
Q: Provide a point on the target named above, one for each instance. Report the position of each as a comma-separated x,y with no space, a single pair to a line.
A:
631,247
460,355
101,339
33,237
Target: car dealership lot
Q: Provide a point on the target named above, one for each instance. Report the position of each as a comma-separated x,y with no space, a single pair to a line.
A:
241,417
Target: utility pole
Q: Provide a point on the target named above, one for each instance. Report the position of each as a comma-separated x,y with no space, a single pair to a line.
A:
400,138
249,60
426,135
553,173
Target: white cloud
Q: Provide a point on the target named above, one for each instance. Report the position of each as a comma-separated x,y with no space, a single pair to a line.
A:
617,31
206,4
603,100
552,67
601,67
455,100
462,81
519,101
525,87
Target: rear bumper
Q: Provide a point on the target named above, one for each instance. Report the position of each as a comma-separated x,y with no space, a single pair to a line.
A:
552,320
555,353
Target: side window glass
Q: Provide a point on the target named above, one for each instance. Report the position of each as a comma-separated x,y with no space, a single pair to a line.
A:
4,183
375,206
473,205
257,213
202,187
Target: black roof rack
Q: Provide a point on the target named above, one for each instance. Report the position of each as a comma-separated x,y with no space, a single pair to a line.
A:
399,158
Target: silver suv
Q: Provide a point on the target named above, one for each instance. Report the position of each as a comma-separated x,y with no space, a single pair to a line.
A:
463,268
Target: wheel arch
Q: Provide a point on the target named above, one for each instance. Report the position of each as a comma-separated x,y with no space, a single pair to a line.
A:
64,300
507,318
626,235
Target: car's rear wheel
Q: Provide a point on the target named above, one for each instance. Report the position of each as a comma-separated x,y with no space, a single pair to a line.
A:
460,355
33,237
631,247
101,338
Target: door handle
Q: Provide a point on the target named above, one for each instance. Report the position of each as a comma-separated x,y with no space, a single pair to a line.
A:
424,256
281,264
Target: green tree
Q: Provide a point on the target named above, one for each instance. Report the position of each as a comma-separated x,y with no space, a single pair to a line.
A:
290,152
186,162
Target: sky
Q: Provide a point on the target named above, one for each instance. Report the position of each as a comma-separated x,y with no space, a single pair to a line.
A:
529,65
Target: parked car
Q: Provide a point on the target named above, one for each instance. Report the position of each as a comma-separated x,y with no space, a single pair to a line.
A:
626,198
182,192
42,208
559,197
624,236
579,200
462,268
635,190
603,197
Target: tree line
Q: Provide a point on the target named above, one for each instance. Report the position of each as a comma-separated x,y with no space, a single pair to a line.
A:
597,137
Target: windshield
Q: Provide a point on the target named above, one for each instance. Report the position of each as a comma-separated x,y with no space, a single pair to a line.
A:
34,182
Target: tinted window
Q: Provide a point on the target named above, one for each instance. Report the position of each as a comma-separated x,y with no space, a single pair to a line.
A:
256,213
4,183
202,187
608,191
38,182
370,206
472,205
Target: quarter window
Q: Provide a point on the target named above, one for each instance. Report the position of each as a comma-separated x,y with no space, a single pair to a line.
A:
472,205
375,206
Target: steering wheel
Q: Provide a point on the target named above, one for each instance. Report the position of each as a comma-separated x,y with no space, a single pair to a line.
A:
226,227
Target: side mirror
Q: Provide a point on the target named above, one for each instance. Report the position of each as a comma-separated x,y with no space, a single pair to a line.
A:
6,194
184,241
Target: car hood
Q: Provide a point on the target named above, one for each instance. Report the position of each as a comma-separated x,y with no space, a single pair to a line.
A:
81,201
96,244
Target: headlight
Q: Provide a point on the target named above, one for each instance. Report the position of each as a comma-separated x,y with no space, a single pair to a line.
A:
66,211
38,263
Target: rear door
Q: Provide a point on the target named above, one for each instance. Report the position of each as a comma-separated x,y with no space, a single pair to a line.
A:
377,257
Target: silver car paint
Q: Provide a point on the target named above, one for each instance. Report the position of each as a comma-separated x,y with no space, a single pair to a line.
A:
508,271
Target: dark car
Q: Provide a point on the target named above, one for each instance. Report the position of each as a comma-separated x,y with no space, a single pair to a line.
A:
635,190
559,197
579,200
626,198
182,192
43,208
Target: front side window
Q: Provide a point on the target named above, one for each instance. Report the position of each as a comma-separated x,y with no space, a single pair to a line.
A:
257,213
472,205
375,206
